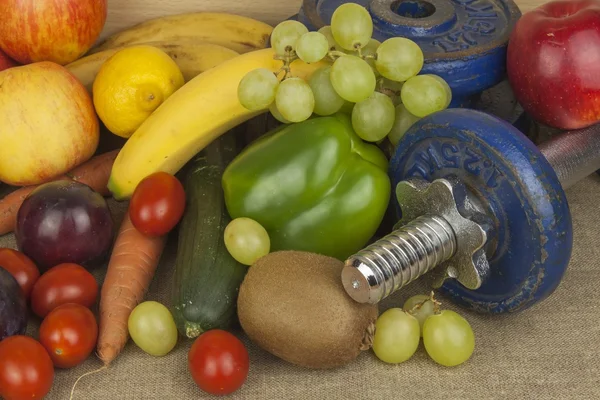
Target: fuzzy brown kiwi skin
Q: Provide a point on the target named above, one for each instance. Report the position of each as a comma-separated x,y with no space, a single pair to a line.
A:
293,305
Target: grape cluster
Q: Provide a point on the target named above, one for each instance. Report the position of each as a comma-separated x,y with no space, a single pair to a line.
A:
447,337
377,83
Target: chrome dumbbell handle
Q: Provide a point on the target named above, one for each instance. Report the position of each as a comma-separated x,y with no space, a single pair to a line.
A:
573,155
424,243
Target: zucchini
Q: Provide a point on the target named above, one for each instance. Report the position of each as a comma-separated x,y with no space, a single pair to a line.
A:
207,278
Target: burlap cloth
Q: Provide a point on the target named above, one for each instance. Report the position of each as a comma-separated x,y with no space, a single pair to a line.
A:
551,351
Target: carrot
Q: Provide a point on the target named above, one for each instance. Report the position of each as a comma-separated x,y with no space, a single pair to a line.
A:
94,173
131,268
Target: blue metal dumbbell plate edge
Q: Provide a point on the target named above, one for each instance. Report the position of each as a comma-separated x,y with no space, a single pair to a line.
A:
464,41
509,175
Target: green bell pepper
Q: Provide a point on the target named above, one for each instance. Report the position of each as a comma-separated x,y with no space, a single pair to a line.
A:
314,186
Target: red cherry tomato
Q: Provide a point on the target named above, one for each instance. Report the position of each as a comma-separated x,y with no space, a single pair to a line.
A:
21,267
157,204
218,362
65,283
26,370
69,334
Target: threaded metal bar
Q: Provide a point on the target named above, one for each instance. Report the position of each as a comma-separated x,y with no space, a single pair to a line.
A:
399,258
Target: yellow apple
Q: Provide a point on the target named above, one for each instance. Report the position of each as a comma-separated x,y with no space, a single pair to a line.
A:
48,124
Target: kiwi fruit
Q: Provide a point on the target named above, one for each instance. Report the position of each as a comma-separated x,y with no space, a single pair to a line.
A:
293,305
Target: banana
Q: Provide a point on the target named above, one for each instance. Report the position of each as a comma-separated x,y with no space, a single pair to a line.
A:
190,119
235,32
192,58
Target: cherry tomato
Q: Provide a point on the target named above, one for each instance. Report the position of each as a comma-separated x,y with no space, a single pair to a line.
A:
21,267
26,370
157,204
69,334
218,362
65,283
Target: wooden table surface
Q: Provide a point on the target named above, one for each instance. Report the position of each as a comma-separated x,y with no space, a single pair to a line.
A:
124,13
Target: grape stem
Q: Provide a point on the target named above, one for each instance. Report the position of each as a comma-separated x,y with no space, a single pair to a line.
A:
282,69
388,92
287,59
385,90
357,47
436,304
335,53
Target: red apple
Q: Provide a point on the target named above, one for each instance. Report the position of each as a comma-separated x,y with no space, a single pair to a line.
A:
554,63
60,31
6,62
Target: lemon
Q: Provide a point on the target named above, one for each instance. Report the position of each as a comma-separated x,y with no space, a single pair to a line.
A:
131,84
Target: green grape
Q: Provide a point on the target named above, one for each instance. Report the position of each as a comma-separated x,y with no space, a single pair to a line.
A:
152,328
446,88
402,123
326,31
448,338
352,78
399,59
312,47
420,306
327,101
368,52
371,47
295,100
425,94
277,115
246,240
351,26
285,35
347,107
373,118
396,336
392,85
257,89
391,88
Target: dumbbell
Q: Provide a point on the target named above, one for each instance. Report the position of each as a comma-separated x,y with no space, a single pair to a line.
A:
463,41
482,208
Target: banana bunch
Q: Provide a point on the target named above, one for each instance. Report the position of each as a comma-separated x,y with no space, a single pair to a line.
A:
190,119
195,41
238,33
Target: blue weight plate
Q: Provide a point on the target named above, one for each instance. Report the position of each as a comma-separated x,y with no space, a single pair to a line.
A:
464,41
505,170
